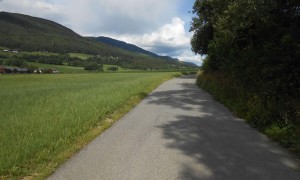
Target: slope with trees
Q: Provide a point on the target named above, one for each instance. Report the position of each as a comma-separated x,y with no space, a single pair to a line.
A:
27,33
122,45
136,49
253,61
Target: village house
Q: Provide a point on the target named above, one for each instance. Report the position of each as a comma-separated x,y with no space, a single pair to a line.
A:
21,70
8,70
46,71
2,69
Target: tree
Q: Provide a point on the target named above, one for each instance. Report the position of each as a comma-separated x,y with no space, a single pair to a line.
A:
256,43
15,61
93,67
112,68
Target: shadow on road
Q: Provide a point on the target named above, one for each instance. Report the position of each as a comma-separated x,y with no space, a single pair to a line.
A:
210,135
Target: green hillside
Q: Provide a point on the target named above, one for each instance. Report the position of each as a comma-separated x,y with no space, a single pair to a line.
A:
35,34
27,33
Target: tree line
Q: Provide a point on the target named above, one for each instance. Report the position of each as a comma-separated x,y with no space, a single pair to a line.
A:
255,43
125,61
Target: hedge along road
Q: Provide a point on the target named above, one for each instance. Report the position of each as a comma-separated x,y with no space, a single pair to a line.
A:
179,132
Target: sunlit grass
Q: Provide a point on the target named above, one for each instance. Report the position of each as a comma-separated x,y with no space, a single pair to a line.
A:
43,115
80,55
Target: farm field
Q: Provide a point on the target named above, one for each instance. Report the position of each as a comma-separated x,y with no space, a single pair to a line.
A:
80,55
46,118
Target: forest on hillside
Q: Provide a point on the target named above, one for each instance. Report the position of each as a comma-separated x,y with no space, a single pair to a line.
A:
253,61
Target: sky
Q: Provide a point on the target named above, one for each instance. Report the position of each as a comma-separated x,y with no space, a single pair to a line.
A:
160,26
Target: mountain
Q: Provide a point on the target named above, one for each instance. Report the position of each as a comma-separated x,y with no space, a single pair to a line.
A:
27,33
123,45
128,47
134,48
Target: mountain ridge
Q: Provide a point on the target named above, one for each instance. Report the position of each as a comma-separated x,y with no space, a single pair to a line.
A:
122,44
28,33
37,34
133,48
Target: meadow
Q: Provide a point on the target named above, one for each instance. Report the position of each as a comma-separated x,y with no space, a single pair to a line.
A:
44,119
81,55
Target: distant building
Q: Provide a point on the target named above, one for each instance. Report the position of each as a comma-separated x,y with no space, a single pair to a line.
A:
21,70
2,69
55,71
8,70
38,71
46,71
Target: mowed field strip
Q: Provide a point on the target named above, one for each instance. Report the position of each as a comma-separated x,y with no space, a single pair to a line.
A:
45,118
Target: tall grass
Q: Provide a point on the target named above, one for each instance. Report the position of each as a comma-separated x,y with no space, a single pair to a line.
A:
43,115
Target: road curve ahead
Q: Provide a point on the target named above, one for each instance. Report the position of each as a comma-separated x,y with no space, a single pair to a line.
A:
179,132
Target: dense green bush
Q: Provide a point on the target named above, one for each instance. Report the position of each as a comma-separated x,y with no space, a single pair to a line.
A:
93,67
266,115
14,61
112,68
253,61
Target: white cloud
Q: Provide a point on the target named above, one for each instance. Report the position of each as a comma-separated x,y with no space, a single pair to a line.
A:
99,16
189,56
31,7
172,35
115,16
169,35
38,8
171,39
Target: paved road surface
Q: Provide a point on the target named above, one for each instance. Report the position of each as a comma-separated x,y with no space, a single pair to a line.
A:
180,132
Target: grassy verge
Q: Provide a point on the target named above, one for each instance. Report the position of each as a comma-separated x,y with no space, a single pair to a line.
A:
261,112
47,118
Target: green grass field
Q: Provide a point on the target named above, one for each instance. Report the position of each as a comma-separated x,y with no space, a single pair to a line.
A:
45,118
80,55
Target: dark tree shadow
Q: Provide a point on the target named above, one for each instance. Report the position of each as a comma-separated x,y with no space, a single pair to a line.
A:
226,145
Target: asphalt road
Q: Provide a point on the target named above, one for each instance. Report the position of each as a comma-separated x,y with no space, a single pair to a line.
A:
180,132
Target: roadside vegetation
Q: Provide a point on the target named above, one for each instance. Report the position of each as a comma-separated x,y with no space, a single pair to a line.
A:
253,62
45,119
